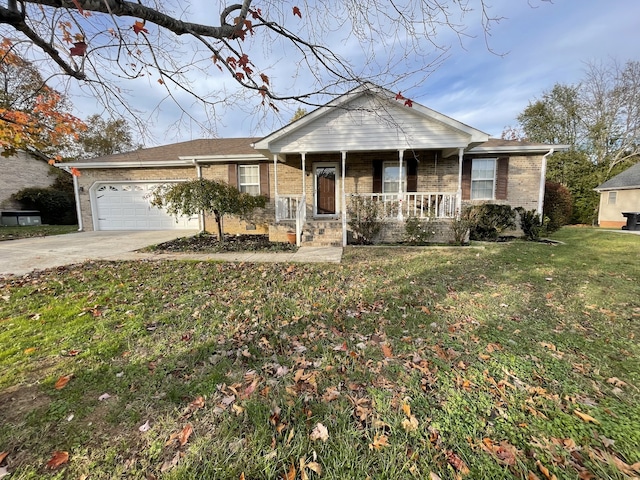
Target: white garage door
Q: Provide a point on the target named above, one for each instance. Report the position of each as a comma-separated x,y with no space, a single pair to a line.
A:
127,206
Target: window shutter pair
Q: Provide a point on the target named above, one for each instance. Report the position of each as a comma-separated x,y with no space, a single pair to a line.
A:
502,178
264,177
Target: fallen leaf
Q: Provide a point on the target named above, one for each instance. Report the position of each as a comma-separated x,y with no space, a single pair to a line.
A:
457,463
29,351
104,396
434,476
406,408
4,472
320,432
379,441
186,432
3,455
169,464
613,380
386,350
291,474
504,452
58,458
144,427
62,382
410,424
585,417
545,471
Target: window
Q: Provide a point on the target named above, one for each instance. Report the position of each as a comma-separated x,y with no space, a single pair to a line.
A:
613,197
392,176
249,179
483,174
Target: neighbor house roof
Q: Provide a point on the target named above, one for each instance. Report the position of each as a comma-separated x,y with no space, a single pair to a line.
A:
176,154
626,180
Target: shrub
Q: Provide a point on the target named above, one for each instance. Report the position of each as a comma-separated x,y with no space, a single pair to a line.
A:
460,229
418,231
532,223
558,205
56,207
487,221
364,219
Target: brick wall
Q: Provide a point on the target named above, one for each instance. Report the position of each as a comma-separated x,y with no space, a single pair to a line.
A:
22,171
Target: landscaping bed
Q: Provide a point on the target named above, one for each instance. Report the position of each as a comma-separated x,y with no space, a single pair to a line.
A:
207,243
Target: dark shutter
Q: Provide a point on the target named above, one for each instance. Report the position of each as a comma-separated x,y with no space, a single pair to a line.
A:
233,175
264,179
502,178
412,175
377,176
466,179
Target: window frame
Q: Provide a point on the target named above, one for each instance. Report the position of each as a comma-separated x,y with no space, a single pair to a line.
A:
473,180
403,174
612,198
243,185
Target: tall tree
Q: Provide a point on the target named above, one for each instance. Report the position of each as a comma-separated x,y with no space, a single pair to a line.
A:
105,137
599,119
33,116
100,42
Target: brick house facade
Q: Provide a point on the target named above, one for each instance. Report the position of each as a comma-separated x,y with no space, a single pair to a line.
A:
412,160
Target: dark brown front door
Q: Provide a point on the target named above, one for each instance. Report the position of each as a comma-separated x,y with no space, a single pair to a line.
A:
326,190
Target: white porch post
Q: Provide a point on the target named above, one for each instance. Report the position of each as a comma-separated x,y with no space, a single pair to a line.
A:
400,189
344,200
275,176
459,192
304,199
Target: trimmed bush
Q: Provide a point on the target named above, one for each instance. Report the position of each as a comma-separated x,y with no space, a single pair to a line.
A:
364,219
558,205
487,221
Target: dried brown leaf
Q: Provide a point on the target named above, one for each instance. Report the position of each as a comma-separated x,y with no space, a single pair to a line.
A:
379,441
185,433
585,417
457,463
320,432
291,474
386,350
58,458
62,381
3,455
545,471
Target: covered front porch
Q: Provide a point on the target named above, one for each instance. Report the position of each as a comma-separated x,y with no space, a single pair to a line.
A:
317,192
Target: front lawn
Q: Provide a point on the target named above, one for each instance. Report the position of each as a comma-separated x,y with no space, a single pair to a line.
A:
515,360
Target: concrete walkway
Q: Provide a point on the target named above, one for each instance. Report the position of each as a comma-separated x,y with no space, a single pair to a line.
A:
18,257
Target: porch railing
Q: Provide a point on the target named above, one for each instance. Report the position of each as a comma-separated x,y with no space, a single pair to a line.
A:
415,204
287,207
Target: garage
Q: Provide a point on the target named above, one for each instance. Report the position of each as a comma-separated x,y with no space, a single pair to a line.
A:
127,206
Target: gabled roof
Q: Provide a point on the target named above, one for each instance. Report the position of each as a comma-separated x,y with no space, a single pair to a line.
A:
472,134
175,154
629,179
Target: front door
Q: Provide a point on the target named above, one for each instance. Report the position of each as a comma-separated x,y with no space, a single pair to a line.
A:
325,180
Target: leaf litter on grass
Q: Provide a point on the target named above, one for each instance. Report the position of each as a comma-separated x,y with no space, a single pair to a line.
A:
351,350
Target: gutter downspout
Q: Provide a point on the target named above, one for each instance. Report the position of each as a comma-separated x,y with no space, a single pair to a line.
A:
543,177
201,224
76,194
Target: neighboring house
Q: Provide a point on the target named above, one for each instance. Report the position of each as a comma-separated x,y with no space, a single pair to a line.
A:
619,194
19,171
366,143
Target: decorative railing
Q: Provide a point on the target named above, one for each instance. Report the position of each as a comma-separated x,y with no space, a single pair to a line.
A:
415,204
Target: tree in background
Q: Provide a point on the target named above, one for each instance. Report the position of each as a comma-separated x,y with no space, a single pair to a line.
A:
210,196
100,43
105,137
33,116
600,121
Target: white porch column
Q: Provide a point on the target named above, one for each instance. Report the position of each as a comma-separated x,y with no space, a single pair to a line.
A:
304,175
299,222
400,189
459,192
275,176
344,200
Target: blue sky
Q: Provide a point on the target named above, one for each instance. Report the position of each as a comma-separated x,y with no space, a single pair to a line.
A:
537,43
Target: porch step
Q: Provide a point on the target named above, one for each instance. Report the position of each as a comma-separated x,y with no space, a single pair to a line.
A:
324,233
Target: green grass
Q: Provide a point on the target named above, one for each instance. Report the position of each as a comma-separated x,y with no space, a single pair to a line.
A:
494,348
13,233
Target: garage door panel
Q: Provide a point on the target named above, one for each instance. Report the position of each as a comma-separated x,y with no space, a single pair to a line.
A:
127,206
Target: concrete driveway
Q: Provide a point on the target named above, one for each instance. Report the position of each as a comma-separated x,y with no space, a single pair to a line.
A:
18,257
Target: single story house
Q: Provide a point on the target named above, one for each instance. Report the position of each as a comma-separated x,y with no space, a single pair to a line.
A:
619,194
367,143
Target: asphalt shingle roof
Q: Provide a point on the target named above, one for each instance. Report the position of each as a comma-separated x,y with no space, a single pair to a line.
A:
630,178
